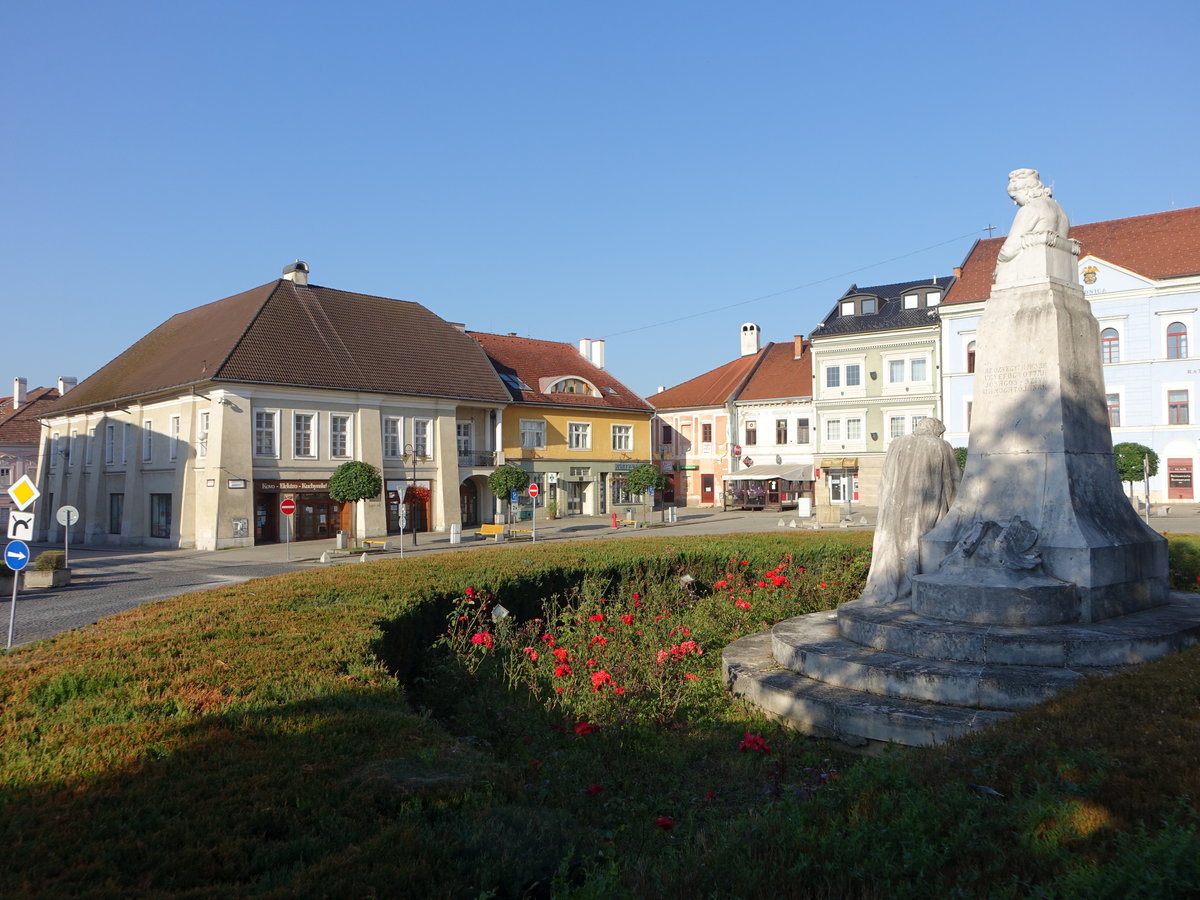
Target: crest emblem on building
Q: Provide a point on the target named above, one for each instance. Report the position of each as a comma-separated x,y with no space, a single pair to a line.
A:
1089,274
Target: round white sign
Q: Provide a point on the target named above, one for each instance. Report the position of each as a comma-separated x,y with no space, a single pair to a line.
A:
67,515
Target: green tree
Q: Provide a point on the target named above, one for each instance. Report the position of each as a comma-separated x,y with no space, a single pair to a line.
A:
644,477
353,481
960,453
507,479
1129,456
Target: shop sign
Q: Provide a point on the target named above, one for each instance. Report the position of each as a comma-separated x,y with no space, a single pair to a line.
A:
291,485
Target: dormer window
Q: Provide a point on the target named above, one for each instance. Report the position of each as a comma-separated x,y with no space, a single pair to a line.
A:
919,299
570,386
860,306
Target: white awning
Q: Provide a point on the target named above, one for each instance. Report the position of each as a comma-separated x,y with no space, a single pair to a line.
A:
792,472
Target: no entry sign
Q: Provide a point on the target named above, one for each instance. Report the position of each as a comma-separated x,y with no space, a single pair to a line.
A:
533,490
287,507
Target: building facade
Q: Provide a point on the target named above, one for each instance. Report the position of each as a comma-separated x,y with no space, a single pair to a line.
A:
876,373
195,435
21,435
571,425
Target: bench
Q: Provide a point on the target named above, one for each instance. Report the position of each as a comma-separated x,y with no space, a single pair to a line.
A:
496,531
633,522
374,544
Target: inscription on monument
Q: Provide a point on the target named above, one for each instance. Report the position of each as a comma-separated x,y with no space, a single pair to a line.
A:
1017,379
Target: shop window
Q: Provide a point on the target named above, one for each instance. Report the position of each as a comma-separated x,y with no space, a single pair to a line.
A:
160,515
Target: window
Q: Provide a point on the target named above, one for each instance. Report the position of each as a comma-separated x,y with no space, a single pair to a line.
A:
668,435
423,437
833,376
173,440
622,438
160,515
802,436
854,429
55,447
896,371
5,476
71,448
302,442
853,375
110,447
781,431
533,434
147,440
1177,341
833,430
971,357
706,432
339,436
88,447
1177,408
393,442
912,301
1113,401
915,420
116,511
202,436
265,426
751,434
933,298
918,368
571,386
1110,345
463,438
847,307
896,426
579,435
869,306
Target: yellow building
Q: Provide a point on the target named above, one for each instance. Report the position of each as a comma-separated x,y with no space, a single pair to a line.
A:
571,425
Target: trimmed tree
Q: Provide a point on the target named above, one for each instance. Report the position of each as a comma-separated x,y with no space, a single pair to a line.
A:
644,477
1129,456
507,479
353,481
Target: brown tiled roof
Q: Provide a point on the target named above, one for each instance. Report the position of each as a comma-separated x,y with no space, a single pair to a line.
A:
714,388
281,333
781,374
21,426
1159,245
530,361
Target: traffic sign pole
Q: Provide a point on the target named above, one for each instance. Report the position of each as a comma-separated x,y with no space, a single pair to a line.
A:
16,557
533,492
287,507
12,610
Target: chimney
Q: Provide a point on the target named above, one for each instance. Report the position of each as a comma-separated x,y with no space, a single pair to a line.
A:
958,271
799,346
66,383
751,335
296,272
598,353
661,388
20,386
585,348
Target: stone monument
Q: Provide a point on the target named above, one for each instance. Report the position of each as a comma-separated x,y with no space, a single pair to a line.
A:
1040,571
1040,471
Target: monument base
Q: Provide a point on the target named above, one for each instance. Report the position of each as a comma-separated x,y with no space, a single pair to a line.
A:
1020,600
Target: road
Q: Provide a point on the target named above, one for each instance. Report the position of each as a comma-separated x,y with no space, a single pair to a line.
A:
111,580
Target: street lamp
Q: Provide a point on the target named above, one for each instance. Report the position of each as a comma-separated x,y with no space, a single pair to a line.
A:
411,452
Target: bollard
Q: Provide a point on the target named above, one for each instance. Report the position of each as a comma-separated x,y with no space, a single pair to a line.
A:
614,520
455,533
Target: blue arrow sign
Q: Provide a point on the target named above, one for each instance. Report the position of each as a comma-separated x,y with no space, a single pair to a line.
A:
16,555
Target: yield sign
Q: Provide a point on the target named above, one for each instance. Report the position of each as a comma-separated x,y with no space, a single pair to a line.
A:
24,492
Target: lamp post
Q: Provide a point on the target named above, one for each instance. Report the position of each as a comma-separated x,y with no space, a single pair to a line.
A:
411,451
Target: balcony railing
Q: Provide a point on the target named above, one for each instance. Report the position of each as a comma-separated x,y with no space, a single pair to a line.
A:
477,458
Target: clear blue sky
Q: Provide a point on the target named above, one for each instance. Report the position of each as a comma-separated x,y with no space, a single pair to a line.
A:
557,169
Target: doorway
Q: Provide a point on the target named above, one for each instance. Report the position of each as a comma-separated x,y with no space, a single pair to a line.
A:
575,498
468,499
708,489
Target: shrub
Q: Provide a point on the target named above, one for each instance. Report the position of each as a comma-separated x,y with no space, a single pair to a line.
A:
50,560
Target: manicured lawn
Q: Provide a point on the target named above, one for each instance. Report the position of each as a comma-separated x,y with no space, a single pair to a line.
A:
376,730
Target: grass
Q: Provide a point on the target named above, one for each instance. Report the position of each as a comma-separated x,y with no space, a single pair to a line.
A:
311,735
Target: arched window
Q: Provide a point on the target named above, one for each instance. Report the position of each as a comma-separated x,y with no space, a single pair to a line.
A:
571,386
1110,346
971,357
1177,341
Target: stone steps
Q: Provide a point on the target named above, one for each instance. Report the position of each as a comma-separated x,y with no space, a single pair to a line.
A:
852,717
1125,640
811,646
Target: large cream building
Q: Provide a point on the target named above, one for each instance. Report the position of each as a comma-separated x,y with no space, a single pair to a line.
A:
193,436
